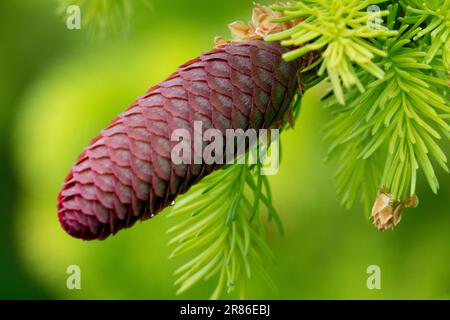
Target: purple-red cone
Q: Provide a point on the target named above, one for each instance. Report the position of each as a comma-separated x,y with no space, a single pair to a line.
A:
126,173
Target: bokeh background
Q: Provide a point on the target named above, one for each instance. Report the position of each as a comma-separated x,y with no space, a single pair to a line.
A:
59,87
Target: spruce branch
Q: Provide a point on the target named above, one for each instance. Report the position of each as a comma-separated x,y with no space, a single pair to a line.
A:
220,229
436,15
400,118
393,79
341,30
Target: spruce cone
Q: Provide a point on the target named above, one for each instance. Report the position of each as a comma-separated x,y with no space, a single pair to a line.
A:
126,173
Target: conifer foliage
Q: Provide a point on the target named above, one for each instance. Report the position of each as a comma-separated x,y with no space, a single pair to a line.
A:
387,66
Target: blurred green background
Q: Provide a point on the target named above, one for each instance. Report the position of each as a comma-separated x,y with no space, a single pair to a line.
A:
59,87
